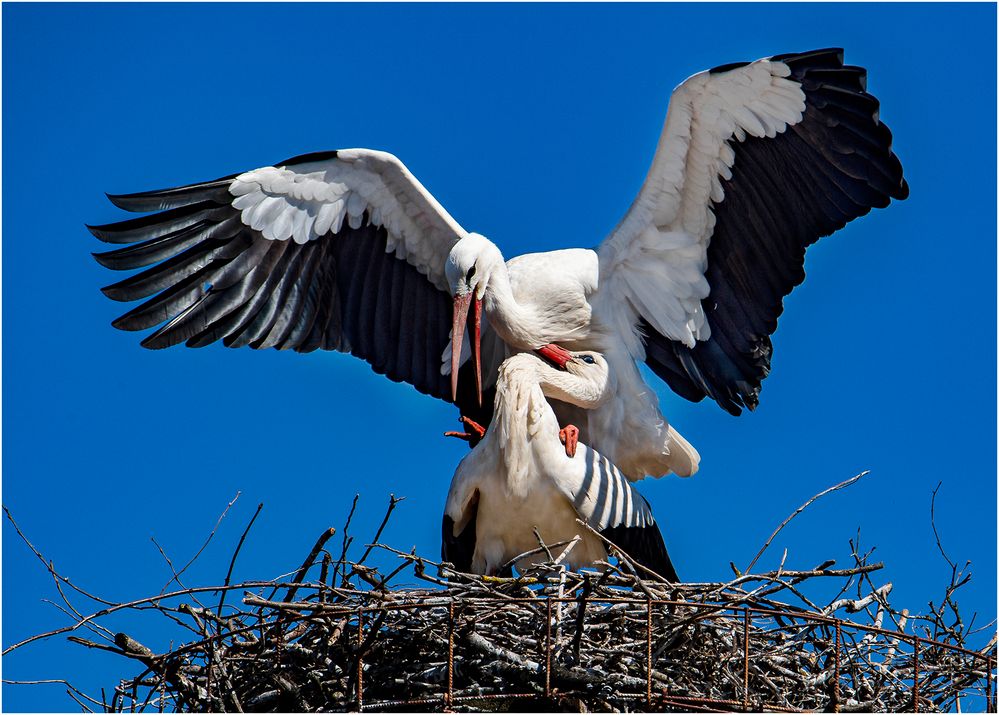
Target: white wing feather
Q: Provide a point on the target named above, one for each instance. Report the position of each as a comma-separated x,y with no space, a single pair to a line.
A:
305,201
652,265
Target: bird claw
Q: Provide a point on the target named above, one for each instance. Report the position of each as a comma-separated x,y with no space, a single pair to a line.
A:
569,436
475,431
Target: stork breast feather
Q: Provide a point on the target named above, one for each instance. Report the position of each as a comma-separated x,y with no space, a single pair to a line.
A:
666,281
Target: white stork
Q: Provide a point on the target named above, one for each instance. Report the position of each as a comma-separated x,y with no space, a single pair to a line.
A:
347,251
519,478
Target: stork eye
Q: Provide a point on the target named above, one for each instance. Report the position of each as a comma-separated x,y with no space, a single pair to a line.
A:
471,272
588,359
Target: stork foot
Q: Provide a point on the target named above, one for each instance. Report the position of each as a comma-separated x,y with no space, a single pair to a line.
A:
569,436
474,433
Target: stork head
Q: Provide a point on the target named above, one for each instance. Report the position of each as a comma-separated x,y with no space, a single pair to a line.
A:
471,263
580,378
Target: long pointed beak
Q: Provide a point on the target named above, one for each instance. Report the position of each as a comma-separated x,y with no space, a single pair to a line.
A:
556,355
459,318
462,303
477,345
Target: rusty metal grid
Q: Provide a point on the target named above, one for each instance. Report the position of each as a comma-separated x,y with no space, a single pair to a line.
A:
747,615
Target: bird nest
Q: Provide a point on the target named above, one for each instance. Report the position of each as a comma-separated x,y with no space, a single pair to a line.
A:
339,636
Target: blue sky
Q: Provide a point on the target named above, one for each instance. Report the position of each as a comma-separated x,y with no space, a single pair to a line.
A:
533,125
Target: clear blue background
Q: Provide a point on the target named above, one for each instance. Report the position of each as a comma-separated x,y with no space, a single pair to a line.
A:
533,125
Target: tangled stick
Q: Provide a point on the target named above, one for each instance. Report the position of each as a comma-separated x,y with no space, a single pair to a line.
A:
347,638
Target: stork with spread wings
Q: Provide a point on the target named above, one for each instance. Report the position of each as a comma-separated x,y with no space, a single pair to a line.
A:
347,251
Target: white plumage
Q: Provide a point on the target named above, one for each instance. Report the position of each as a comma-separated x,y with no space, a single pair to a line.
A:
518,479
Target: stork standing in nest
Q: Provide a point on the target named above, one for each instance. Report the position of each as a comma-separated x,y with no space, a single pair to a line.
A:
528,479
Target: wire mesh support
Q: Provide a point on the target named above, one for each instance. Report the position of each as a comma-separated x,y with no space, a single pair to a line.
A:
449,696
449,693
745,659
648,652
548,650
836,670
360,660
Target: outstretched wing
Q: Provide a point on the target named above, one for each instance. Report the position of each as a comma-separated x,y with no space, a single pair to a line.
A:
340,250
756,162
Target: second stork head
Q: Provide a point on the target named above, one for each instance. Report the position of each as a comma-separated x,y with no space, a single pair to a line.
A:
580,378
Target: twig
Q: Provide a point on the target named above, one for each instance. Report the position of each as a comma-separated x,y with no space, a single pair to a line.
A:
933,524
48,566
194,558
302,652
309,560
346,542
232,561
797,511
393,500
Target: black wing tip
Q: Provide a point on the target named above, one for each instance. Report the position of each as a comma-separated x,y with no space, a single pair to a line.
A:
112,291
104,260
99,231
123,323
903,191
126,202
151,343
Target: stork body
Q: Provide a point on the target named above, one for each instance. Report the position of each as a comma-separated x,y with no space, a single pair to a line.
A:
540,298
519,478
347,251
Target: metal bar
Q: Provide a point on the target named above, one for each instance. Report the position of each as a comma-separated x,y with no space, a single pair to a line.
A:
836,671
450,657
745,658
382,704
360,660
495,696
915,677
728,704
689,701
548,650
648,652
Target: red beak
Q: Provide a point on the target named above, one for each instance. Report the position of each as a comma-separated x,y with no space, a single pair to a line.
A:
460,317
555,354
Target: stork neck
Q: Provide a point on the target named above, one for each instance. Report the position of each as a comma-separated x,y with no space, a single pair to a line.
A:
521,416
518,389
516,323
565,386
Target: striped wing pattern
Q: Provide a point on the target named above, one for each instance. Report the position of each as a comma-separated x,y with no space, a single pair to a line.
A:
208,277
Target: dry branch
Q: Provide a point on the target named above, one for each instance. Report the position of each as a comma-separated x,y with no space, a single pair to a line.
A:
548,639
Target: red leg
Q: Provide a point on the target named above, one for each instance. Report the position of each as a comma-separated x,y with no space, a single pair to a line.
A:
569,436
473,435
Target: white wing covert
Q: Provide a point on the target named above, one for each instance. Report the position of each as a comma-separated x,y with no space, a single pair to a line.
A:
756,161
340,250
